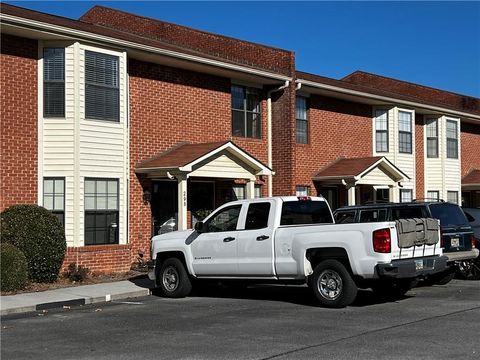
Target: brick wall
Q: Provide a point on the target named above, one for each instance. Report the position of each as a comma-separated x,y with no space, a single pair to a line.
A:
100,258
229,49
336,128
470,147
419,157
18,121
167,106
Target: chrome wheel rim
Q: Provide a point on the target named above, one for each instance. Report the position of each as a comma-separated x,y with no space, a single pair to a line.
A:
170,278
329,284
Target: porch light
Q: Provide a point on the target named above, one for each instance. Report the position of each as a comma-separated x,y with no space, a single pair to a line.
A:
147,196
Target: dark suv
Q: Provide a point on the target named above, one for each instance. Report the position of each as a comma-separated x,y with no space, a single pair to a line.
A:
458,241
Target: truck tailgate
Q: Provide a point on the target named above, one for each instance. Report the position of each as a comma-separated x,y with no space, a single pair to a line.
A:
417,237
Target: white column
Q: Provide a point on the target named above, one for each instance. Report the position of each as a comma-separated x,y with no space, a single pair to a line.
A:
394,193
182,203
351,195
250,189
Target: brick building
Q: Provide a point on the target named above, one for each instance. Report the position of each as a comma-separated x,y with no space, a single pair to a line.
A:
119,123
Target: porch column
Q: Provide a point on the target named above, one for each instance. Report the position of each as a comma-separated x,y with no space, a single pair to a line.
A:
394,193
182,202
250,189
351,195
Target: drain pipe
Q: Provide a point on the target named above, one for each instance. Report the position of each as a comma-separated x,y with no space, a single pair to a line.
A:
269,131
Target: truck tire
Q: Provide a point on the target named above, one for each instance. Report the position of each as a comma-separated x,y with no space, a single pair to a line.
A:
173,279
332,284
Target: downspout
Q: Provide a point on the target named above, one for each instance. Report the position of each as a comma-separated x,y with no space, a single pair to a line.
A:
269,132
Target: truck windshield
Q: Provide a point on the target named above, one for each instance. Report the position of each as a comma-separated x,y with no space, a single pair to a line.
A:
448,214
305,212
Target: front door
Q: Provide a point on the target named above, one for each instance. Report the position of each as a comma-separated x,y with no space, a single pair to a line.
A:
164,206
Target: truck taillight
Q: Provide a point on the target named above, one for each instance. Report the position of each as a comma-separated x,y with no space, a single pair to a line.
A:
304,198
473,241
381,241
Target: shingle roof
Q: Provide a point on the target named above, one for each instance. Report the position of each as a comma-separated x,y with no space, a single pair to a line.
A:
108,22
343,167
179,155
461,103
472,178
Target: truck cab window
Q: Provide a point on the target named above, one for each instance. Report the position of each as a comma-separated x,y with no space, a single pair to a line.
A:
257,216
225,220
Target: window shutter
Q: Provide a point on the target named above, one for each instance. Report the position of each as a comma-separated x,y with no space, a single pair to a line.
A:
54,82
101,86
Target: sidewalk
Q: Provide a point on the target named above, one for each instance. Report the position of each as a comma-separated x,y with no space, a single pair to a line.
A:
77,295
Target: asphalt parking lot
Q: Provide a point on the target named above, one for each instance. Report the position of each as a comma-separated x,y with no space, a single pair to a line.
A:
261,322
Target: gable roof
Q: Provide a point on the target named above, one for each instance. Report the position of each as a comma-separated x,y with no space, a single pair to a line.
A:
344,168
472,178
184,156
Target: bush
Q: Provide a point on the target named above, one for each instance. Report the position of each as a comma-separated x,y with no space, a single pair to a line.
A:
39,235
13,268
76,272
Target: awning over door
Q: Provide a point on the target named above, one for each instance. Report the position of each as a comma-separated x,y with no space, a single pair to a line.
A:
471,181
217,160
376,170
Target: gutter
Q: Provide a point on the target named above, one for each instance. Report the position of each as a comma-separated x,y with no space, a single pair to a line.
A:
386,99
109,41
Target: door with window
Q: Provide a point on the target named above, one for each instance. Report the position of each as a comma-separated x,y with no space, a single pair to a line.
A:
254,243
214,251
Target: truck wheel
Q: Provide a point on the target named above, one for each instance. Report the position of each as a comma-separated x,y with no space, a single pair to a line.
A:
332,284
173,279
444,280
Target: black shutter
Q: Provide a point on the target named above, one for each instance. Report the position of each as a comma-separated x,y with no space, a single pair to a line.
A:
102,94
54,82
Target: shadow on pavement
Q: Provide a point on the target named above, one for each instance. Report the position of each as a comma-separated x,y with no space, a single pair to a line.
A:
295,294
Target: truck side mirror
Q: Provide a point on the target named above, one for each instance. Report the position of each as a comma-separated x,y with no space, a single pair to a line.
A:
199,227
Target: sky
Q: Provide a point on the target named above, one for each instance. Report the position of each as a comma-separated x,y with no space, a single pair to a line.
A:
431,43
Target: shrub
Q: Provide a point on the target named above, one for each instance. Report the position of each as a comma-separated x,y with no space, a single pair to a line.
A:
39,235
76,272
13,265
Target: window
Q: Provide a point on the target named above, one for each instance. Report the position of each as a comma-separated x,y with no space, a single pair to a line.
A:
406,195
383,195
432,138
373,215
452,196
238,192
54,197
409,212
102,97
302,191
346,217
246,120
101,211
435,195
448,214
257,191
452,140
225,220
381,130
405,132
302,120
54,82
257,216
305,212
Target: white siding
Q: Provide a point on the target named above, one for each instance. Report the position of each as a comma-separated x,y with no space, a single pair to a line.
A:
405,162
76,148
224,167
443,174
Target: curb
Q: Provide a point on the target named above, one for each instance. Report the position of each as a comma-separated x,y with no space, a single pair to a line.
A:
75,302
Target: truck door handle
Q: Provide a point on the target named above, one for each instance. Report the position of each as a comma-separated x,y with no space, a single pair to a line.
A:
228,239
262,237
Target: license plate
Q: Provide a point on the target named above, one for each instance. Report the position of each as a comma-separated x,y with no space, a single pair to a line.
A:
455,242
419,264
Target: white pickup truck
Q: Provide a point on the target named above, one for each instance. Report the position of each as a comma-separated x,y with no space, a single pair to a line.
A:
294,239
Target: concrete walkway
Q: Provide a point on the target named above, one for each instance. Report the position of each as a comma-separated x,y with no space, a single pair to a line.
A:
77,295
